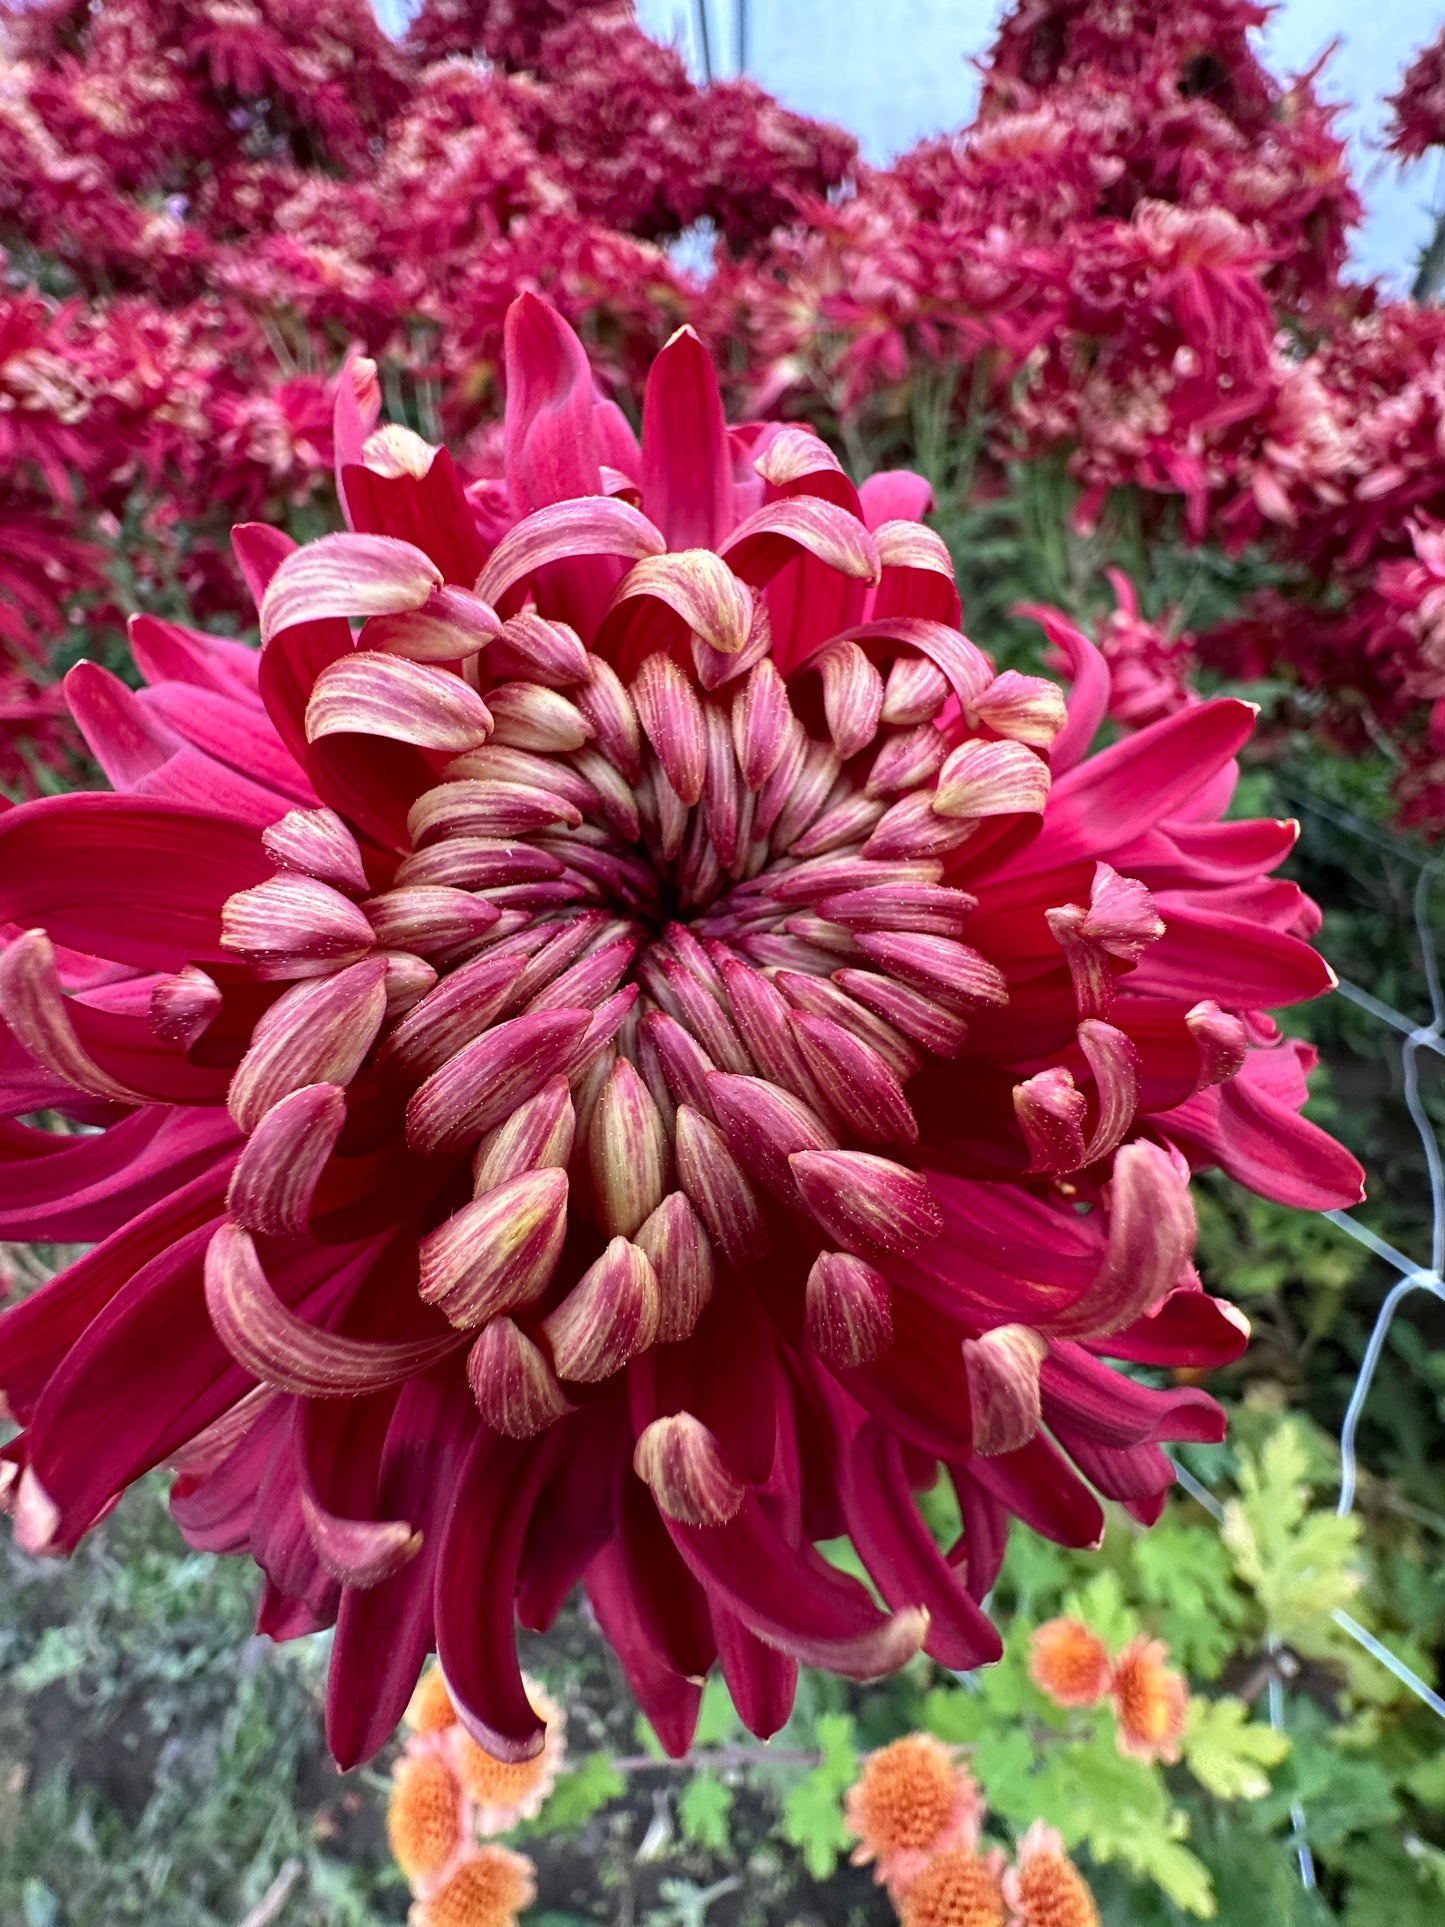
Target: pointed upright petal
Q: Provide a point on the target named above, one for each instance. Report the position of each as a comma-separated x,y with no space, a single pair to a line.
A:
687,487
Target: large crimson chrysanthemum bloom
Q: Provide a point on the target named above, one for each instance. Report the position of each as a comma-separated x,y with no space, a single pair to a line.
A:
621,1043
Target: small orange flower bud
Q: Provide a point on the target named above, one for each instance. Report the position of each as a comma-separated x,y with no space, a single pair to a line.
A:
1068,1664
1046,1889
910,1802
1150,1702
489,1889
424,1816
955,1889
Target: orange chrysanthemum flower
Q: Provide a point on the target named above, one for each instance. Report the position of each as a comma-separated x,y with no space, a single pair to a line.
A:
1046,1889
506,1791
955,1889
431,1709
489,1889
1068,1663
912,1801
1150,1702
424,1817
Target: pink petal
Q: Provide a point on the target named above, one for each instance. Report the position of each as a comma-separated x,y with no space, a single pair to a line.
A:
346,575
122,877
686,463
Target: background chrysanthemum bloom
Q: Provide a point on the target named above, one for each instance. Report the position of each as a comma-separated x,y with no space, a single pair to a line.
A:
911,1801
956,1889
1151,1702
1069,1663
426,1824
622,1044
1044,1888
489,1888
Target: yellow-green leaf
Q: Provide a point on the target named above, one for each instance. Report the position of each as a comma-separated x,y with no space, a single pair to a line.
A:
1227,1752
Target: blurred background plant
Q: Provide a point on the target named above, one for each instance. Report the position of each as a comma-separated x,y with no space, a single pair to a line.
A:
1111,320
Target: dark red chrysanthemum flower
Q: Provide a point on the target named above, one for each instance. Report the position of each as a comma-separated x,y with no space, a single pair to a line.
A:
618,1052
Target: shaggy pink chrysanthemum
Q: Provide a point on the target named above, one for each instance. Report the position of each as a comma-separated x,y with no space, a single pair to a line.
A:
620,1045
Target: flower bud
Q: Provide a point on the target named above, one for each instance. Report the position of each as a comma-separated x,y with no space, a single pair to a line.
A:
915,691
675,1242
671,716
1030,709
273,1183
537,1136
183,1006
515,1388
318,844
318,1032
627,1152
610,1315
293,926
725,1201
848,1319
762,721
528,715
852,696
498,1251
869,1204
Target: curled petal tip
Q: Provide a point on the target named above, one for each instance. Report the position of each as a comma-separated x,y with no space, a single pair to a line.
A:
35,1515
1003,1387
681,1462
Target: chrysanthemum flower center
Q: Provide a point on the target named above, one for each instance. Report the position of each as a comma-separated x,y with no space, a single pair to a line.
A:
1069,1663
956,1889
907,1796
1150,1701
660,959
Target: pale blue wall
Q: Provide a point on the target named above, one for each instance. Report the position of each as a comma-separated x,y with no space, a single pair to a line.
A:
895,70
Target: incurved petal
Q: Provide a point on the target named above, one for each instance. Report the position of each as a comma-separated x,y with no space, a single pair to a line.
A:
901,1557
793,1600
346,575
800,525
480,1554
595,525
1150,1241
280,1349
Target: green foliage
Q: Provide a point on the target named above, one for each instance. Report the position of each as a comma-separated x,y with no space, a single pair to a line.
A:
580,1792
813,1809
1227,1752
1186,1590
703,1811
1398,1881
1298,1563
